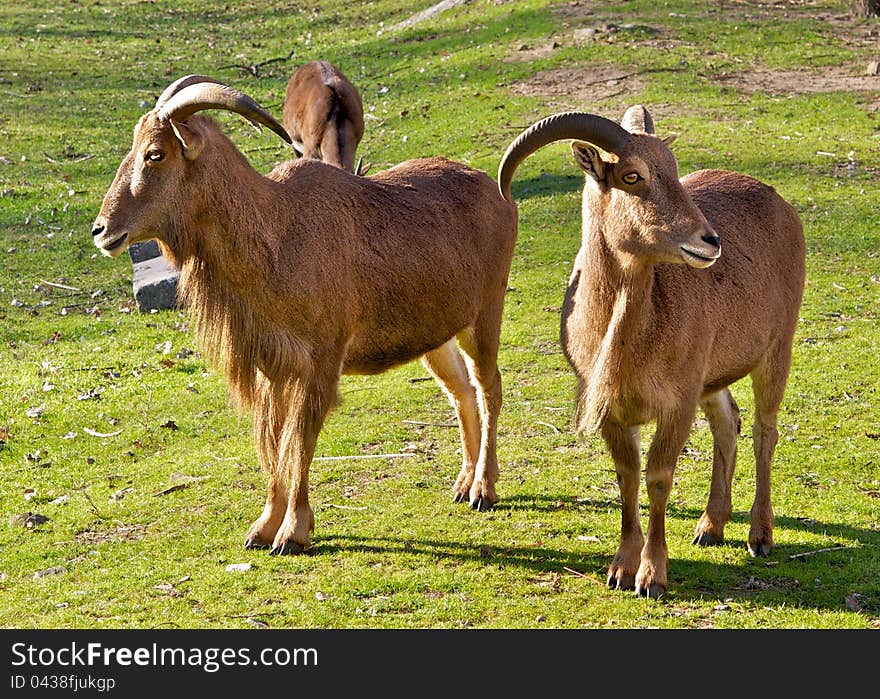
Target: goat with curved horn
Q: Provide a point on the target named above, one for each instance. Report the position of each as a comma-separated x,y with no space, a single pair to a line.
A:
594,129
310,272
181,83
198,96
657,321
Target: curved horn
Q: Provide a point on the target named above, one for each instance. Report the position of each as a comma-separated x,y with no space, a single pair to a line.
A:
575,125
179,84
636,119
213,95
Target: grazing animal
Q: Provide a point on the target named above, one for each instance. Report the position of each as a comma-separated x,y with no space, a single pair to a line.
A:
312,272
324,115
658,320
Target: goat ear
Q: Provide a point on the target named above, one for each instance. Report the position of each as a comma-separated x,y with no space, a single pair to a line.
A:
190,139
589,160
637,119
670,139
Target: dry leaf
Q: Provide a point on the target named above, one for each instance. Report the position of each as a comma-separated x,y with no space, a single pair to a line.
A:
853,603
55,570
119,494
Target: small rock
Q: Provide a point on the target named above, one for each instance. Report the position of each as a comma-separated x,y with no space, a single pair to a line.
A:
874,68
234,567
60,500
28,520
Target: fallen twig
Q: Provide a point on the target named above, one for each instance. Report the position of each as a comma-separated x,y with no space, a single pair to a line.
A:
582,575
813,553
345,507
254,69
362,456
547,424
59,286
101,434
252,616
419,423
171,489
92,503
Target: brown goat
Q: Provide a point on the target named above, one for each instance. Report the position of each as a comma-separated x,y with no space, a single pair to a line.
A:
312,272
323,114
656,320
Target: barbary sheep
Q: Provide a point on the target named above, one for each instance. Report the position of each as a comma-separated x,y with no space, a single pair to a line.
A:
657,320
312,272
324,114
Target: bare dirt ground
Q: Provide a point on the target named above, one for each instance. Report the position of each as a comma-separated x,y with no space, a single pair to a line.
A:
586,21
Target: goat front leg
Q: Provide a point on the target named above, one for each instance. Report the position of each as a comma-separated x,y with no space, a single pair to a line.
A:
309,404
623,443
669,439
270,410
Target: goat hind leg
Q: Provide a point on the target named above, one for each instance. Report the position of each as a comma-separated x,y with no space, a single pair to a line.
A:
480,345
768,385
447,366
723,415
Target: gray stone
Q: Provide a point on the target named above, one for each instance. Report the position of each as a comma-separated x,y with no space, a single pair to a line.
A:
154,281
144,251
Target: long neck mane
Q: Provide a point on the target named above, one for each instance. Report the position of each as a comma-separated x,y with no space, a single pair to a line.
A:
618,302
226,249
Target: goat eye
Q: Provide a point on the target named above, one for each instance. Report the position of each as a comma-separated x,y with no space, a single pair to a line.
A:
154,156
631,177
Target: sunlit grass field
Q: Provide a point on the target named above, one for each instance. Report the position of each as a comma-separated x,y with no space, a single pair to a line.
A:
104,410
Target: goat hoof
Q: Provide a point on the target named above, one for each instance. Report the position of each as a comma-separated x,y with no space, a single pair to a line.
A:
459,497
623,582
762,549
288,548
256,543
706,539
481,504
652,591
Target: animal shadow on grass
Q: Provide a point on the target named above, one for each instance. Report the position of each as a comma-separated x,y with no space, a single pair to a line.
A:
777,579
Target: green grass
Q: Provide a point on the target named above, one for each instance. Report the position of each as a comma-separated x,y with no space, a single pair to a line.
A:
390,548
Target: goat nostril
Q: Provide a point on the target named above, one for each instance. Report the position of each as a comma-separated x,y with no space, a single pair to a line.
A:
97,229
711,239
